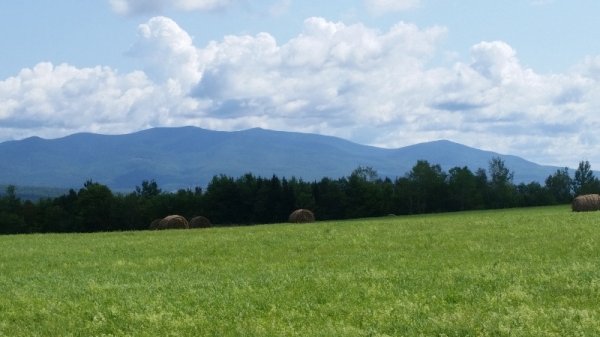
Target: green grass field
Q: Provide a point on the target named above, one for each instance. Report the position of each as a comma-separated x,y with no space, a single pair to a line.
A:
523,272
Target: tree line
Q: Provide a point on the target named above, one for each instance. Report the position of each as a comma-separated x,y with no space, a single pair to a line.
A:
252,200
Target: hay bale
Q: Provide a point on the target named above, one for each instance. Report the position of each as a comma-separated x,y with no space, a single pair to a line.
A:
200,222
302,216
586,203
173,222
154,223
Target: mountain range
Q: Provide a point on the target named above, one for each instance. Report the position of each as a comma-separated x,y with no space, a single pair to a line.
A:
185,157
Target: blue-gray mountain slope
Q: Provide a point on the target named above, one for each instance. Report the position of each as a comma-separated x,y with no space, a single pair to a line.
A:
188,156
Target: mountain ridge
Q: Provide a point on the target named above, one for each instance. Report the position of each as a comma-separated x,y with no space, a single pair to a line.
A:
185,157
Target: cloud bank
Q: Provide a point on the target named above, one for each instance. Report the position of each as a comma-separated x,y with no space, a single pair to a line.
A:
380,7
370,86
132,7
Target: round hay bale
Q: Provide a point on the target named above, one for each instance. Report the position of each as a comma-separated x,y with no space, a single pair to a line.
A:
200,222
154,223
302,216
173,222
586,203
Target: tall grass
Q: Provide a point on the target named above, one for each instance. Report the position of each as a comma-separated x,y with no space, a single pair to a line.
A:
525,272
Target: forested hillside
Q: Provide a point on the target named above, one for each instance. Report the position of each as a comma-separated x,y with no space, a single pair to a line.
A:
185,157
251,199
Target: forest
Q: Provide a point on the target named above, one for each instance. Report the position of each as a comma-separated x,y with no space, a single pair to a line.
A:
249,199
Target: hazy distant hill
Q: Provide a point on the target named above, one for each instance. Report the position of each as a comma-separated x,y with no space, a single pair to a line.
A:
35,193
189,156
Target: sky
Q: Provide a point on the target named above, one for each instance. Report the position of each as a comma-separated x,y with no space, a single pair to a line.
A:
518,77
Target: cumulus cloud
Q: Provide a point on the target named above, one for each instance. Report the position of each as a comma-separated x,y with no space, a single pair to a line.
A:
348,80
331,74
51,100
378,88
379,7
131,7
168,52
67,98
590,67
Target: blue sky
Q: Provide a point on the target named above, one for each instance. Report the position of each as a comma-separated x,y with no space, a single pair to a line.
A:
519,76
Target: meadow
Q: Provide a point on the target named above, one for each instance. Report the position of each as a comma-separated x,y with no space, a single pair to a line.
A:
517,272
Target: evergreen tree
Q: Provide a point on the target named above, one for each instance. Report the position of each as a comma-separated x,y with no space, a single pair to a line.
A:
148,189
364,198
533,194
559,186
584,181
427,186
268,199
330,200
462,189
11,218
223,201
502,190
403,198
303,194
94,205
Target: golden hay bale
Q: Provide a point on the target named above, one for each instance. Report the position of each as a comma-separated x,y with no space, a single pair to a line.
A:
302,216
173,222
586,203
200,222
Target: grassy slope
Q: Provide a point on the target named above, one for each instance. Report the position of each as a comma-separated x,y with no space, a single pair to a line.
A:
529,272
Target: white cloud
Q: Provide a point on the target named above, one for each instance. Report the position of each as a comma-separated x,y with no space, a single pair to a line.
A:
51,100
590,67
168,52
379,7
130,7
67,98
330,75
377,87
496,61
280,7
352,81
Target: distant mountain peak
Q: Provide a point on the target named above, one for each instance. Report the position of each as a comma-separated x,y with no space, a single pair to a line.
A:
184,157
